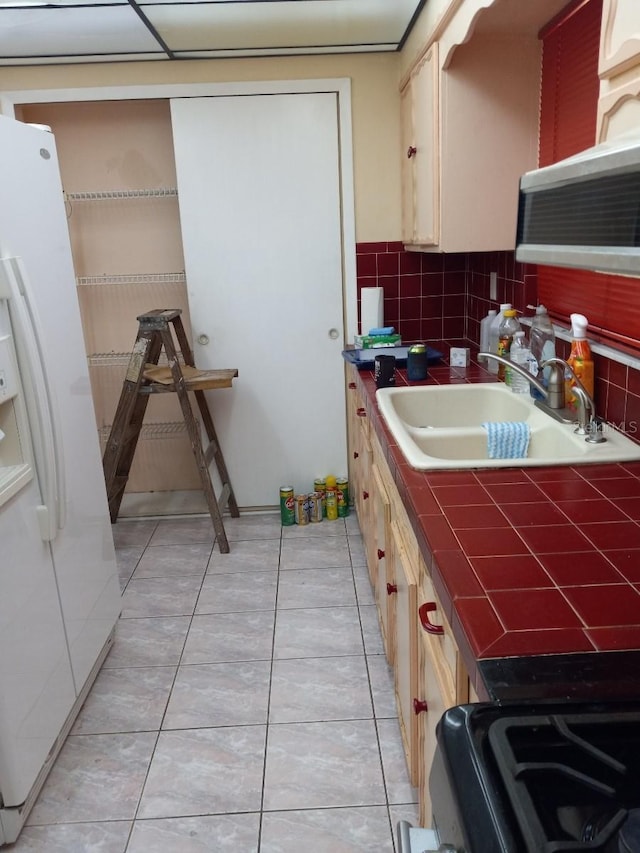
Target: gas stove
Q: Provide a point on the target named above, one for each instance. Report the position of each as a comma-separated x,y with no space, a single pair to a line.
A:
541,778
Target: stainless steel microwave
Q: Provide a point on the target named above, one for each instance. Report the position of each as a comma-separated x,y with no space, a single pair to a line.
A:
584,211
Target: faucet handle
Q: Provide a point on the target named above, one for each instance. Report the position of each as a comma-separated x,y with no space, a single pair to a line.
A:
555,384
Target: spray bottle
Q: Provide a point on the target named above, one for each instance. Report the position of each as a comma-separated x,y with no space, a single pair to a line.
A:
579,359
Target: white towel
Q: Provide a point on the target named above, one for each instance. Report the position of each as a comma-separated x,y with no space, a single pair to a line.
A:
507,439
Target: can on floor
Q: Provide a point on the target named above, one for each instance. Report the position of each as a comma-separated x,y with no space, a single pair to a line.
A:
342,487
320,485
331,498
287,514
315,507
301,509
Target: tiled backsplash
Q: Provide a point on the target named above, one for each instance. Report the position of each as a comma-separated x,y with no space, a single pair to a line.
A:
424,294
434,296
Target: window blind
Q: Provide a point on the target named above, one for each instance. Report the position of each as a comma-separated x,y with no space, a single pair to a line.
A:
568,112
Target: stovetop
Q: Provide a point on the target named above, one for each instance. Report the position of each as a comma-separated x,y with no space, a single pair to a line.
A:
543,778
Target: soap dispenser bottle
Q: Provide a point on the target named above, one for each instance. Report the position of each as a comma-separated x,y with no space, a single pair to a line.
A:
580,359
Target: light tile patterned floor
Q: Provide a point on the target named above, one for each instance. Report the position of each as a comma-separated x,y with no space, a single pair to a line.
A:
246,706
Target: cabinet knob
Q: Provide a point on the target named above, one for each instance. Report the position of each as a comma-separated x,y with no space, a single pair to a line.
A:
361,412
380,553
411,151
391,588
352,386
355,454
423,614
365,496
419,705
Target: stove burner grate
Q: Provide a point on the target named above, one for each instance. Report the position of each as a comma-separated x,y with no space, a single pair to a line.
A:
570,779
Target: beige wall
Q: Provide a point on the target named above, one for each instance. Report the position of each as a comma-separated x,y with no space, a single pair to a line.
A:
375,105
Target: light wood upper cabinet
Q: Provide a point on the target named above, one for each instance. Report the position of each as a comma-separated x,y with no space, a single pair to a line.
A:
619,37
420,128
470,111
619,69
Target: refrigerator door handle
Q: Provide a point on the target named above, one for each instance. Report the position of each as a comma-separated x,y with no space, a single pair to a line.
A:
39,399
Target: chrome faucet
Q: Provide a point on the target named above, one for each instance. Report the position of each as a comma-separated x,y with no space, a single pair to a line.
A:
588,424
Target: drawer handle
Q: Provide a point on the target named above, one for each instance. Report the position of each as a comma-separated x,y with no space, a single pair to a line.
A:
391,588
419,705
352,386
365,496
355,454
411,151
423,614
380,554
361,412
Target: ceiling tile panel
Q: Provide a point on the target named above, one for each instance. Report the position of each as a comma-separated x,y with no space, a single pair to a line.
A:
287,24
34,32
72,32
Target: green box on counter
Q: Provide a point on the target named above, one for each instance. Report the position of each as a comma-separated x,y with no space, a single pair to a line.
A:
372,341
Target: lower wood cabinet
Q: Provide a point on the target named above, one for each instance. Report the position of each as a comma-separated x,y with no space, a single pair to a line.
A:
379,565
429,673
405,604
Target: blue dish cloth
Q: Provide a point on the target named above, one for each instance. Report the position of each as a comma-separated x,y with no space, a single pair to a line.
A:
507,439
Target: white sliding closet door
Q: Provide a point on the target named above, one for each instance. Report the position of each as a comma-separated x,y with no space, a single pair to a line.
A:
260,210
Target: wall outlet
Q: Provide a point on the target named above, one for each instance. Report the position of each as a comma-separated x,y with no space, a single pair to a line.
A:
493,286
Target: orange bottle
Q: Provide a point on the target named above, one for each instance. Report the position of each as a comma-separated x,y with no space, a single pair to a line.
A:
580,359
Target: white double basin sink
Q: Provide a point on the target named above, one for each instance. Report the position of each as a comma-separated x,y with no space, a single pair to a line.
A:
440,426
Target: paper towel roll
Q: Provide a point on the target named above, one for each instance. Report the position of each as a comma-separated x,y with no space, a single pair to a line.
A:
371,309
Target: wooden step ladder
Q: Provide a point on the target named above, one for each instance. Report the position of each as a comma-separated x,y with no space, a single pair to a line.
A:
145,377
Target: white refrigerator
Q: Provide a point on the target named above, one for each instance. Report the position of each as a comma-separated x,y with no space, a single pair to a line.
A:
59,589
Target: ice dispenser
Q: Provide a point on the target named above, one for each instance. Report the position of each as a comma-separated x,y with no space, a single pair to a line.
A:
15,467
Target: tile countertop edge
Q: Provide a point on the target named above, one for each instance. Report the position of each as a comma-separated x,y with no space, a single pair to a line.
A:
477,627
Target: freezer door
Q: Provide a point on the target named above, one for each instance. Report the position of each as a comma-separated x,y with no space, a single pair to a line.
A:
34,232
36,684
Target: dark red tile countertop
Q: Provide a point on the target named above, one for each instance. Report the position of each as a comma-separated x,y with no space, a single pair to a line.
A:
526,562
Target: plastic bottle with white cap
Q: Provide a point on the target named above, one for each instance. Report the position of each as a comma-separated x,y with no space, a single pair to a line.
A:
543,345
485,330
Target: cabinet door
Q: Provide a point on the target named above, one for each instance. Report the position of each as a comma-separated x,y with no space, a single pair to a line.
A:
383,582
421,129
619,37
436,693
442,683
406,651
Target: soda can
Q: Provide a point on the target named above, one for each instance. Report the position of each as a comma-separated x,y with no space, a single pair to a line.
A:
332,504
320,485
315,507
301,508
342,485
287,514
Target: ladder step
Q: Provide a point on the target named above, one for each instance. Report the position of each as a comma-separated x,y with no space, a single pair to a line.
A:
224,496
210,452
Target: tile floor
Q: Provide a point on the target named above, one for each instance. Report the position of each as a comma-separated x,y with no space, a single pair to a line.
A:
246,706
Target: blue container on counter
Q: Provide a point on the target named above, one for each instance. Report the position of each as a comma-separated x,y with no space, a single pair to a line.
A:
417,363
